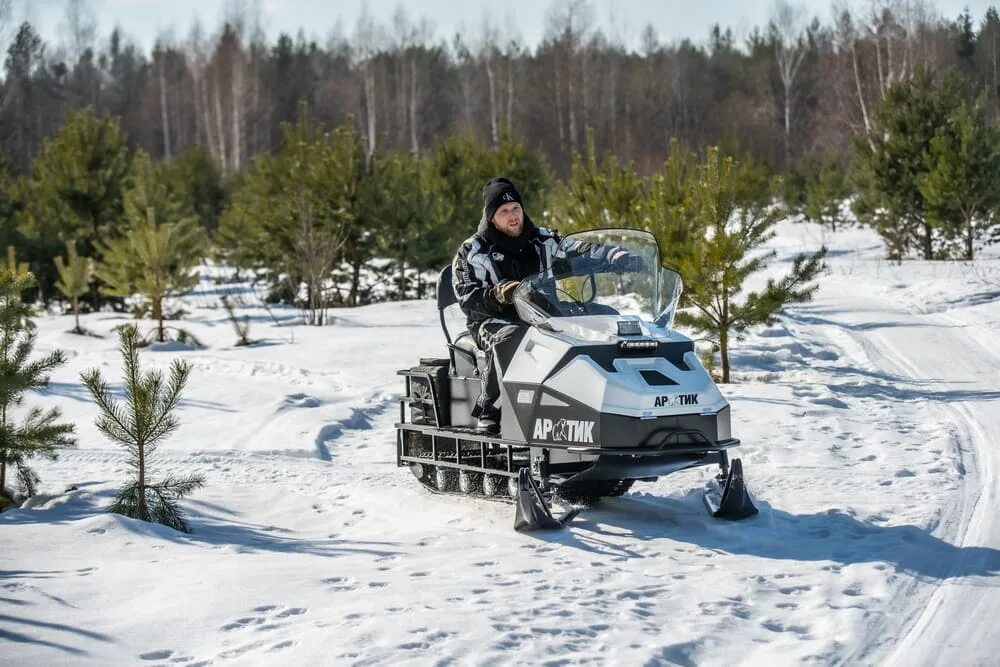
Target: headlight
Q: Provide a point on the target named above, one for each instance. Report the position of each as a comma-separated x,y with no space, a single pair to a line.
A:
633,346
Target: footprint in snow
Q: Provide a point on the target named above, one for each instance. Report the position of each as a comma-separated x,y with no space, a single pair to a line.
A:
830,401
266,617
800,630
339,584
792,590
301,401
162,654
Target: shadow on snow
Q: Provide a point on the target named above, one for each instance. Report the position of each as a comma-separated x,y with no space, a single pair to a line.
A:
775,534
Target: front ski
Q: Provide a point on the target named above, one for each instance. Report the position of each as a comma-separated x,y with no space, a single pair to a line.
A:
735,502
532,511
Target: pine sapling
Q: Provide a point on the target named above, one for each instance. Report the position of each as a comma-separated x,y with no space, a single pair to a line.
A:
242,327
140,424
39,434
718,266
15,267
157,254
74,279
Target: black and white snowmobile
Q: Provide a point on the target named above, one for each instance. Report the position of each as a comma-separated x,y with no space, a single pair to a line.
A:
601,393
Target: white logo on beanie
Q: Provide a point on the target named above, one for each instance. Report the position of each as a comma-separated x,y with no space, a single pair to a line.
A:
508,197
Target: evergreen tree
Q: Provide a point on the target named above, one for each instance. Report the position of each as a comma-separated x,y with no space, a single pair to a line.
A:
157,256
76,190
295,210
715,272
466,165
38,434
198,184
24,69
414,221
962,182
598,195
9,207
13,265
893,157
74,279
140,425
669,208
965,41
824,199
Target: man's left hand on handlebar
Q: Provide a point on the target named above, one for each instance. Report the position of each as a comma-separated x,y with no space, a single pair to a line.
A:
622,261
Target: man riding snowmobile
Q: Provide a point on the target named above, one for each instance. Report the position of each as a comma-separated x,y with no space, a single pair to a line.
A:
507,248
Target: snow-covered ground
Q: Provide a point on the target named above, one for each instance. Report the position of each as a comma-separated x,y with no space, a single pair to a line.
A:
869,420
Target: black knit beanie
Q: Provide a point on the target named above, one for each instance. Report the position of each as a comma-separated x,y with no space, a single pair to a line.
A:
497,192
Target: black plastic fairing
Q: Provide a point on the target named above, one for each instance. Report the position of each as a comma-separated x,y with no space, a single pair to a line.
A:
553,417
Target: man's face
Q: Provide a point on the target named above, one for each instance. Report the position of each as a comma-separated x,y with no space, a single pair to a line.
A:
509,219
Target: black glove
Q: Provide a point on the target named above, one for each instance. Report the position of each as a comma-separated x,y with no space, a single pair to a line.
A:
625,262
504,292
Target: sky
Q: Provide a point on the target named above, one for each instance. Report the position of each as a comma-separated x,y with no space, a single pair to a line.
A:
673,20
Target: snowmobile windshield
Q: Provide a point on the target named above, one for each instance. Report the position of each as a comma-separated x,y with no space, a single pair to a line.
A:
602,272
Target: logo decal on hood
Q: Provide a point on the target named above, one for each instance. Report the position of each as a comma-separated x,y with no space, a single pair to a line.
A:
675,400
564,430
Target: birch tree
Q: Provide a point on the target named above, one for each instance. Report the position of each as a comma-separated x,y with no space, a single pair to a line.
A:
788,35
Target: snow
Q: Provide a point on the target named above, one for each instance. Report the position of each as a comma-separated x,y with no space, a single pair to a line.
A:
868,420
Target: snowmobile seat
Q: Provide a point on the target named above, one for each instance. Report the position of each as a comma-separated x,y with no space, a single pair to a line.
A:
467,359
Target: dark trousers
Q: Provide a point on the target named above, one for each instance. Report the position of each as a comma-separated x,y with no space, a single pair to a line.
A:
498,339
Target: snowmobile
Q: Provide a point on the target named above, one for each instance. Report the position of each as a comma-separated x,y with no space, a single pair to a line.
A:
601,393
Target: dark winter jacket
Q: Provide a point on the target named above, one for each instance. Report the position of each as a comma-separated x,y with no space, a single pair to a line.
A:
490,257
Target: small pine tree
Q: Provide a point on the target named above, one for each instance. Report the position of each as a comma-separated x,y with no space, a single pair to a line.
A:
74,279
75,191
720,263
157,255
242,327
824,197
140,425
962,184
891,160
414,241
669,207
598,194
38,434
296,210
14,267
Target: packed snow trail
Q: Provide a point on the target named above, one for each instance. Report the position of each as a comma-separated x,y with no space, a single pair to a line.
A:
954,625
949,615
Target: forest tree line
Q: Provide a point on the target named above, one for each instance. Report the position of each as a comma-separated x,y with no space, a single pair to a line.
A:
796,87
